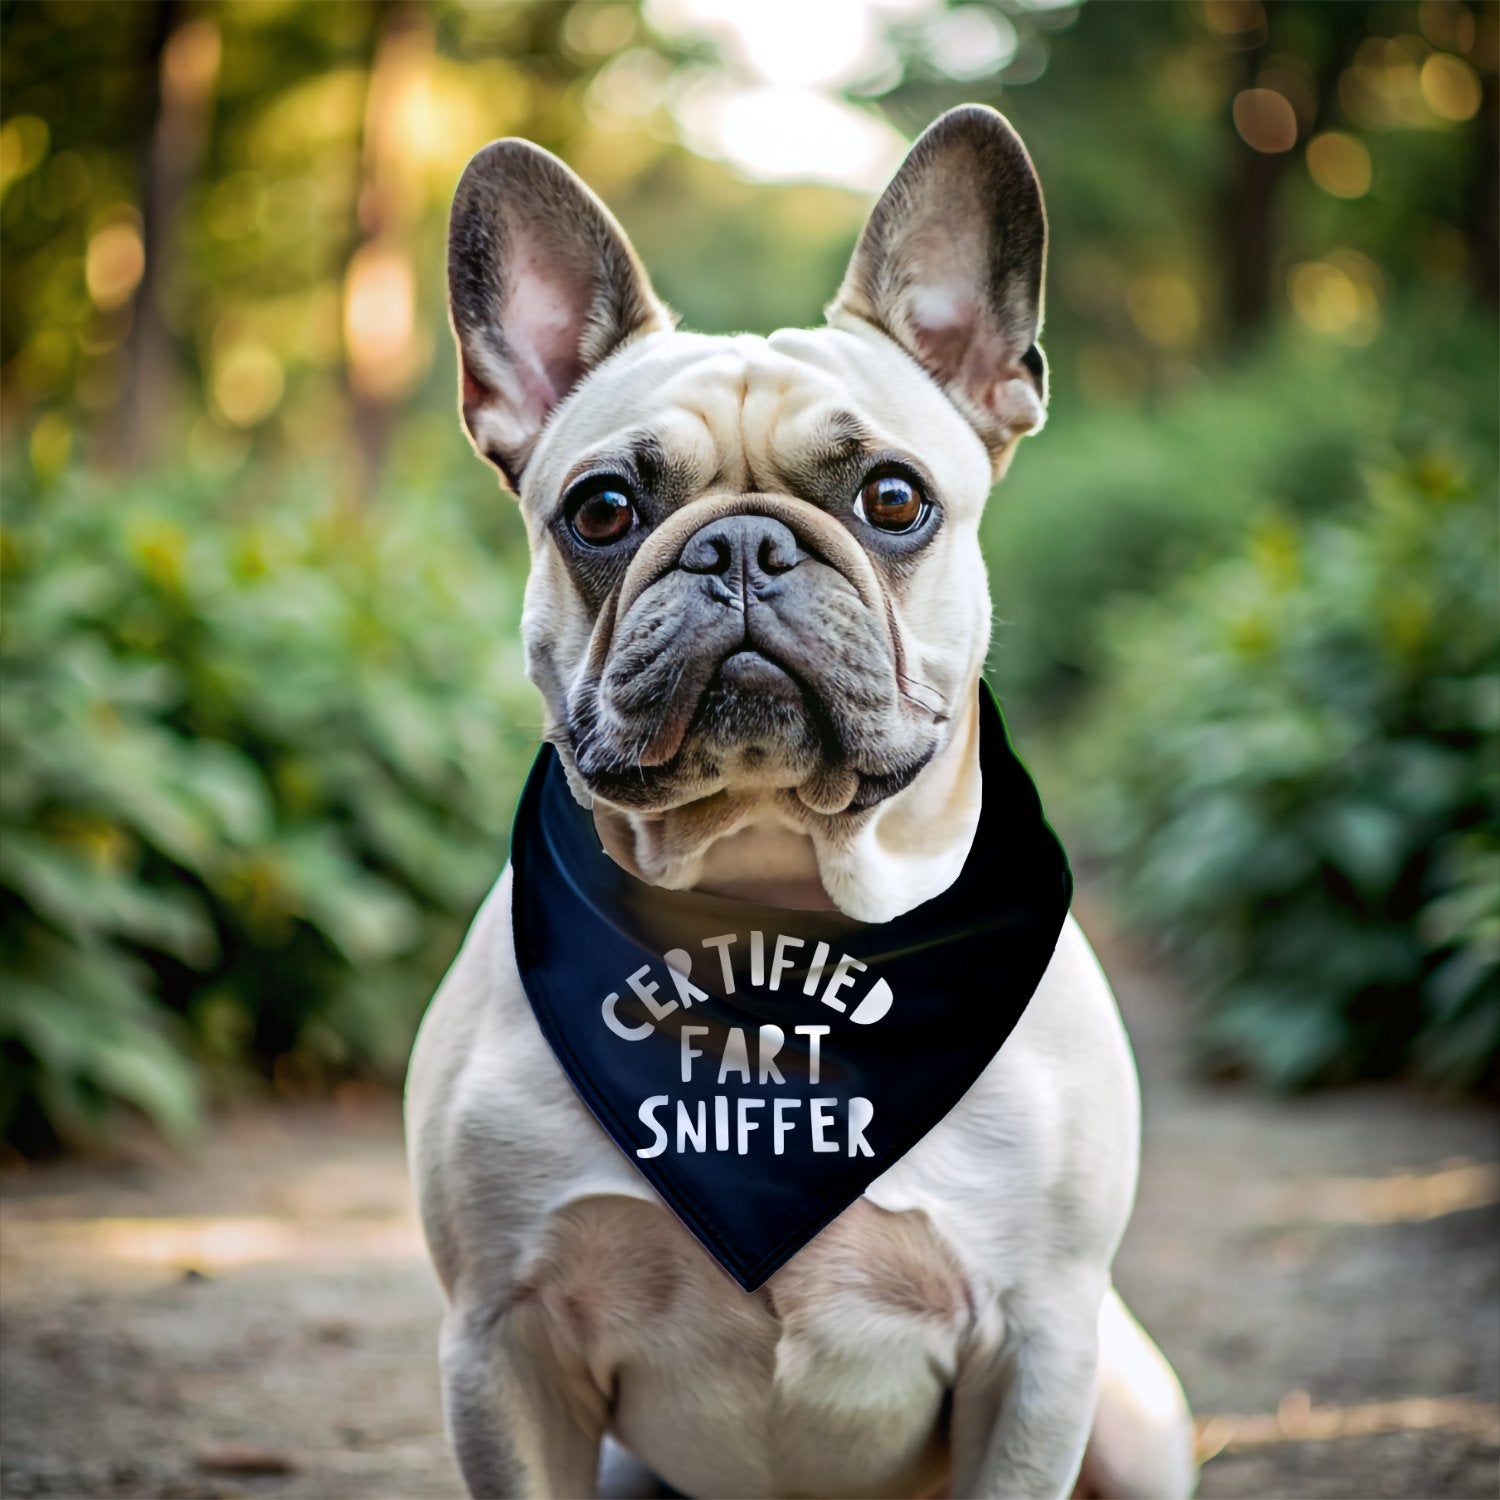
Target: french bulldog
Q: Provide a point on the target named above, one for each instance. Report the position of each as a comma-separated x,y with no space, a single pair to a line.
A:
757,615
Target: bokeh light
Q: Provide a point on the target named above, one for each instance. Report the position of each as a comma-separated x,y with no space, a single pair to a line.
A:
1165,306
972,42
247,381
380,320
1450,86
765,131
1265,120
23,143
190,59
1242,21
115,262
1339,295
779,115
1339,163
787,42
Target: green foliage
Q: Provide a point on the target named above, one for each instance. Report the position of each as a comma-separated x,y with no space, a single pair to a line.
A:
262,734
1295,775
1116,500
260,755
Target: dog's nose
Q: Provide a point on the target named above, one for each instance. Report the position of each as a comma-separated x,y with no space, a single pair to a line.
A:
755,548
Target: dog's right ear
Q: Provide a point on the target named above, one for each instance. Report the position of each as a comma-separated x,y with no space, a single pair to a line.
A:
542,286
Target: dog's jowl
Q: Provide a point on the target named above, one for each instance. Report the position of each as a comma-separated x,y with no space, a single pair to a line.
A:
774,1129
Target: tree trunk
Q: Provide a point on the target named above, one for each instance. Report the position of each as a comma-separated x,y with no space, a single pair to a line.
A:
1251,240
182,59
1484,197
379,288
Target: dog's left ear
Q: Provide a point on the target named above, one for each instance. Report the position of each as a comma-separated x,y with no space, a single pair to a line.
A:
542,286
950,265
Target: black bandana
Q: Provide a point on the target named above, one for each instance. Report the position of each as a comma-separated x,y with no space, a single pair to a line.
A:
762,1065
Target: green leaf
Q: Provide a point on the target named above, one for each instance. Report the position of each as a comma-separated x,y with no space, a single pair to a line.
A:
1365,840
82,897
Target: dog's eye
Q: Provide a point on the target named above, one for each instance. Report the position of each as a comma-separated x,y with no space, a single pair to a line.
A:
601,513
891,502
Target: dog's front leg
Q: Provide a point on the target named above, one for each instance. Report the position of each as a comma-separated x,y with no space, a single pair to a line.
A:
1021,1416
525,1416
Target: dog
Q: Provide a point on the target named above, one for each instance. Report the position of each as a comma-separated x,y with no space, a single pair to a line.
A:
757,615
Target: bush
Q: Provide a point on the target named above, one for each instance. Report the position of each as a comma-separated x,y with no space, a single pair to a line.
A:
260,759
1115,500
1294,776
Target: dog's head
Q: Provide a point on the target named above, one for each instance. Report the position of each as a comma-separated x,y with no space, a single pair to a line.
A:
756,578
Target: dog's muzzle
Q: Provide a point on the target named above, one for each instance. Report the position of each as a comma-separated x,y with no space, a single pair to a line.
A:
741,562
749,631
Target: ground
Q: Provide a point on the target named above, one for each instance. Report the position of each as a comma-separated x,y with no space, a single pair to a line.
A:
259,1319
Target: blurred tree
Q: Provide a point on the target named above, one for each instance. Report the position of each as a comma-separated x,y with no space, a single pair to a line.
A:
379,282
1143,116
1286,63
180,63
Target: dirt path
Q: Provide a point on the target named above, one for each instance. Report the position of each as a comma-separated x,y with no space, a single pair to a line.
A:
1322,1272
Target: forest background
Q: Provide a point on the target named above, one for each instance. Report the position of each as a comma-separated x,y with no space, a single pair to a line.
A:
262,711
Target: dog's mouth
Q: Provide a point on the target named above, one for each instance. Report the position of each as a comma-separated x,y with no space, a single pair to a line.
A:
742,715
758,722
755,709
751,673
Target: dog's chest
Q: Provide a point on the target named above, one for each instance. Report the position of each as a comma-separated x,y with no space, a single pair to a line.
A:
845,1356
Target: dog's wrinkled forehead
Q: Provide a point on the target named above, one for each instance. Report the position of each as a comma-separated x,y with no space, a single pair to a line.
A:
786,414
